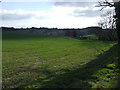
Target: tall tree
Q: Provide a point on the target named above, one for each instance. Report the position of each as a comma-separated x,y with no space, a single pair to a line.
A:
116,4
117,10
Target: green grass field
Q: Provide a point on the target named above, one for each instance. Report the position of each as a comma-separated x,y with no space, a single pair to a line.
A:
40,61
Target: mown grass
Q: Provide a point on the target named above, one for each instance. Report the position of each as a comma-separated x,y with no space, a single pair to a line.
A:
40,61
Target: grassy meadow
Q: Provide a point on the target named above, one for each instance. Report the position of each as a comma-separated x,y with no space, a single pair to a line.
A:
41,61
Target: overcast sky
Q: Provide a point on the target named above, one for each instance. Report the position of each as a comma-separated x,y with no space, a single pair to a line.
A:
50,14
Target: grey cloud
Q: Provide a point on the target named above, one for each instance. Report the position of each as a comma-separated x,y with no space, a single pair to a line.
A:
16,16
86,13
78,13
75,4
91,12
9,16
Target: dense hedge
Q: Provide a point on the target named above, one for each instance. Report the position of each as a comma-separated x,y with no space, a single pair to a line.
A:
108,35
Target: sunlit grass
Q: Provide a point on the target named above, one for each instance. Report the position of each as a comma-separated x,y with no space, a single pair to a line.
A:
92,37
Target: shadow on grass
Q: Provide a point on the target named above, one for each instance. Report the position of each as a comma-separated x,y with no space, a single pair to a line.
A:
119,65
79,76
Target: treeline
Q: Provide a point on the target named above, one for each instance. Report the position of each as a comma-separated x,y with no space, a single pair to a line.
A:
102,34
35,28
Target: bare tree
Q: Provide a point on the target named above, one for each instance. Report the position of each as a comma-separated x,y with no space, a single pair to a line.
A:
105,4
107,20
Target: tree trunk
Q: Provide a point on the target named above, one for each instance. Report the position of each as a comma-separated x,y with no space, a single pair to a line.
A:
117,10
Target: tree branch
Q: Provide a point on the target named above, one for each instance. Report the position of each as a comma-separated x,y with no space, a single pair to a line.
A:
105,4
